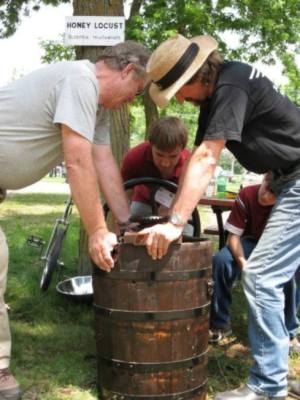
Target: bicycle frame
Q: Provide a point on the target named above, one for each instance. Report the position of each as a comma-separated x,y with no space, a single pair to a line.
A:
61,223
54,247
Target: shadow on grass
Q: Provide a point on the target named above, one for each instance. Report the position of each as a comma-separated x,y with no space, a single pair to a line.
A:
37,198
229,361
54,341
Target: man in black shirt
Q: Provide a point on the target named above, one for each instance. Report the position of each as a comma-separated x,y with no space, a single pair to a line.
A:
239,109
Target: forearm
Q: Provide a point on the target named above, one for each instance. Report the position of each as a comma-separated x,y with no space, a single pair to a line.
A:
86,196
195,178
235,246
191,189
82,180
111,183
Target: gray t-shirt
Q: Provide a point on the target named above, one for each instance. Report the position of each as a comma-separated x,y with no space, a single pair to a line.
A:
31,111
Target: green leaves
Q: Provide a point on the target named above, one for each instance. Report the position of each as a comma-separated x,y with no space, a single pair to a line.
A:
249,30
55,51
12,12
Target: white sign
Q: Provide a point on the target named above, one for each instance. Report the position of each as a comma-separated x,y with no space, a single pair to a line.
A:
94,31
164,197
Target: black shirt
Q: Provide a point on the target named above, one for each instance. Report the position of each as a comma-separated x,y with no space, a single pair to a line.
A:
261,126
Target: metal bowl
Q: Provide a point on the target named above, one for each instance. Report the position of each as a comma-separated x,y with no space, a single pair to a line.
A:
78,288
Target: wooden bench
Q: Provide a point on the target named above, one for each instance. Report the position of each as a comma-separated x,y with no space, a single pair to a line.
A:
211,230
218,206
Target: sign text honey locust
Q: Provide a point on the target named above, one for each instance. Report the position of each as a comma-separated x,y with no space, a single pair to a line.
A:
94,31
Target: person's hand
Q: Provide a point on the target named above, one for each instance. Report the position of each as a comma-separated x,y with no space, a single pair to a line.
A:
157,238
101,245
242,262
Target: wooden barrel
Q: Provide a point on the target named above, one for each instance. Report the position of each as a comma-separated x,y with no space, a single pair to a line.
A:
152,323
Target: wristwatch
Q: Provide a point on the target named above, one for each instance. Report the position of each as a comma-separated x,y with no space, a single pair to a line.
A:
176,219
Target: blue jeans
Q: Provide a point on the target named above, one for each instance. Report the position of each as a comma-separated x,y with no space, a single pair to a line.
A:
225,272
273,263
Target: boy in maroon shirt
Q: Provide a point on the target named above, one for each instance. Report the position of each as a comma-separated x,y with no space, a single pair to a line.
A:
245,225
161,156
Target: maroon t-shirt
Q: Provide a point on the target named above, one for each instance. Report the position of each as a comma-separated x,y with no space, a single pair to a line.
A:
248,218
138,163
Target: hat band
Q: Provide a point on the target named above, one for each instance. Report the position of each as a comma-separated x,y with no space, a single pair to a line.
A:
179,68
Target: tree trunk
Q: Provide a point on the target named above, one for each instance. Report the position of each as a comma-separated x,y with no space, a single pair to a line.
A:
119,118
135,7
151,111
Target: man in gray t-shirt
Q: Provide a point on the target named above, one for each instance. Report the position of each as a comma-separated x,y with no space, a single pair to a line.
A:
61,112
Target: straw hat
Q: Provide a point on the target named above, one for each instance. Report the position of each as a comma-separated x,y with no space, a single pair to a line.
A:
174,62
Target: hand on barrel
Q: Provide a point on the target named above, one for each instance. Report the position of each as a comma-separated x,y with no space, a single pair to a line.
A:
157,238
101,247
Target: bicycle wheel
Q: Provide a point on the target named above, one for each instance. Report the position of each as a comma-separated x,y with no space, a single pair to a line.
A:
157,182
51,258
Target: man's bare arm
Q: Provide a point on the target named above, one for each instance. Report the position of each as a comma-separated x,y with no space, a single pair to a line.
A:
110,182
84,188
192,185
197,173
82,179
235,246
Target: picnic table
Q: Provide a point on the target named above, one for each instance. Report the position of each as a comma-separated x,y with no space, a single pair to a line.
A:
218,206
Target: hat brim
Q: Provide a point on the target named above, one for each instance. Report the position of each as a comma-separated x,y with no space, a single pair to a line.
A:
207,44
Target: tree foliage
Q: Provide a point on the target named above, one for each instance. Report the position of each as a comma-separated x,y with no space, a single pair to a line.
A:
248,30
265,29
55,51
13,11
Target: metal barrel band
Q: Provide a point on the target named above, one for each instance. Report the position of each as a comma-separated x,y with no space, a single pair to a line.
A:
186,395
122,315
154,275
153,367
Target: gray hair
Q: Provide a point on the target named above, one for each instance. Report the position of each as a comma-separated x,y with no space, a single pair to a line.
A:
122,54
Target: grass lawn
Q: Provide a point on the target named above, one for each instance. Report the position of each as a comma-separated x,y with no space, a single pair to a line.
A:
53,353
